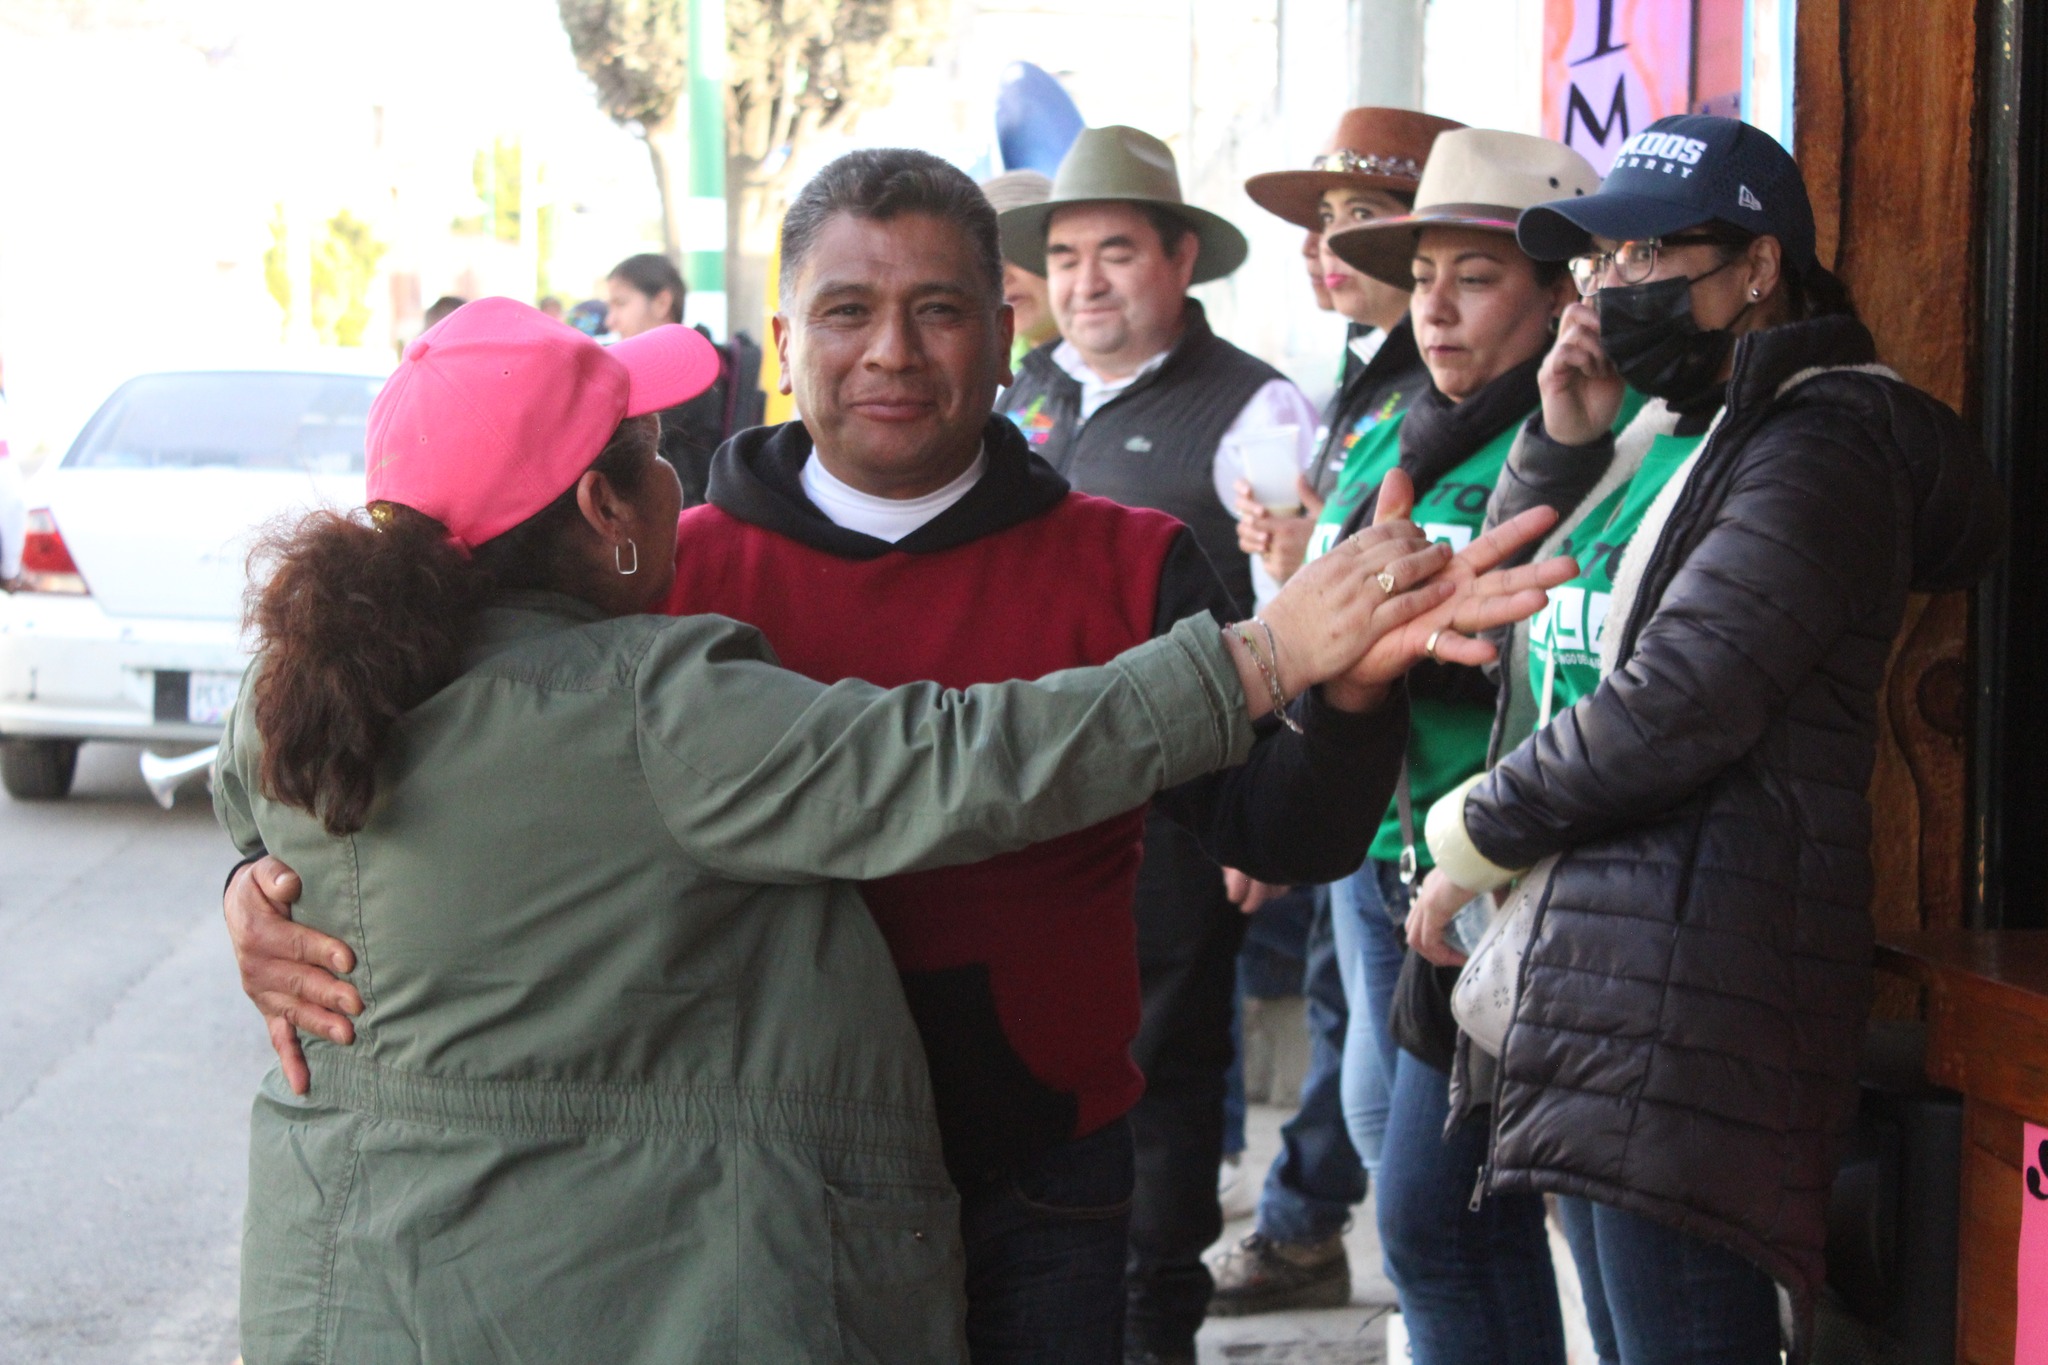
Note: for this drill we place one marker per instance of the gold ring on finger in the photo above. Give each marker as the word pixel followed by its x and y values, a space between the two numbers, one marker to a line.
pixel 1386 581
pixel 1430 648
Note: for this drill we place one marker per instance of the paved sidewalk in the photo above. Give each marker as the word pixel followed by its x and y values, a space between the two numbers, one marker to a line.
pixel 1356 1335
pixel 1325 1336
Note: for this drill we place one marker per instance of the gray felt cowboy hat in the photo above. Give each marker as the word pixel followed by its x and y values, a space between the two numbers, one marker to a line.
pixel 1475 178
pixel 1119 165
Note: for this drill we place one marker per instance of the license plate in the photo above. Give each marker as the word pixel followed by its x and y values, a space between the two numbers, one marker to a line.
pixel 210 697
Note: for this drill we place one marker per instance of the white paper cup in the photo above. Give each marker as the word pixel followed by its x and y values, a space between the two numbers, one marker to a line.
pixel 1272 466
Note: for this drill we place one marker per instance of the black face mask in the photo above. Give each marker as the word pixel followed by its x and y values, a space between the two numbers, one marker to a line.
pixel 1649 334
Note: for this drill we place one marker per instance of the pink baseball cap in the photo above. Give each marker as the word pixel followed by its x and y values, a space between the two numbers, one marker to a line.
pixel 498 409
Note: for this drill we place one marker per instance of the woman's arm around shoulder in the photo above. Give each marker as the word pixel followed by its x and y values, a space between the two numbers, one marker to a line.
pixel 765 775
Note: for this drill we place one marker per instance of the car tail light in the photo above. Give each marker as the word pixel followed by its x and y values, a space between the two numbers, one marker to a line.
pixel 46 563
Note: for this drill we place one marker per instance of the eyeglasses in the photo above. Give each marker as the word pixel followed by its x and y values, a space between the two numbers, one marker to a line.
pixel 1631 262
pixel 1344 161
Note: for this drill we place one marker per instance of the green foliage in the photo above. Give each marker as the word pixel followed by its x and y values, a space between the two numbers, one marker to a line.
pixel 343 266
pixel 277 275
pixel 344 263
pixel 495 174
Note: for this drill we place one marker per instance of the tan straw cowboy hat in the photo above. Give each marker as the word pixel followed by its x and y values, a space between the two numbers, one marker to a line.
pixel 1119 165
pixel 1374 149
pixel 1476 178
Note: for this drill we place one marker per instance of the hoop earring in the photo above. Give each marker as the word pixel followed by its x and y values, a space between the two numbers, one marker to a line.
pixel 619 564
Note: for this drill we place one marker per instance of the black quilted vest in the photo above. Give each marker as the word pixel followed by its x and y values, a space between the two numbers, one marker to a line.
pixel 1154 444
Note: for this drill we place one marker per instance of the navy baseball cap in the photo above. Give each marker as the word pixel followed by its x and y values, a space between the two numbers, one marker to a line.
pixel 1678 173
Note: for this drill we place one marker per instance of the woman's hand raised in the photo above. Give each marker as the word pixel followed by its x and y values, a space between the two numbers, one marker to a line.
pixel 1582 391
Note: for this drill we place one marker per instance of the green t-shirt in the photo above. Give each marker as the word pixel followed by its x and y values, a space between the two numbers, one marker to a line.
pixel 1446 740
pixel 1575 621
pixel 1364 455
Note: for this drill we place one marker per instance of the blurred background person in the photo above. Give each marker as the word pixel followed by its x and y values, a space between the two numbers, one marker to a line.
pixel 1679 1059
pixel 588 317
pixel 643 292
pixel 551 307
pixel 441 308
pixel 647 291
pixel 1476 1283
pixel 1024 290
pixel 1294 1257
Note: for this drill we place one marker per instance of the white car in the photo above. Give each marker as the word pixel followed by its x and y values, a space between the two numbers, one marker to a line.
pixel 128 624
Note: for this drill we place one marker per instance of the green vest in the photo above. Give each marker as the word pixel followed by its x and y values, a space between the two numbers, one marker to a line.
pixel 1571 627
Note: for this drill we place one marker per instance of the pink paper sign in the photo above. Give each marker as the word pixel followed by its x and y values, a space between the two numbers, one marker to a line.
pixel 2030 1340
pixel 1611 68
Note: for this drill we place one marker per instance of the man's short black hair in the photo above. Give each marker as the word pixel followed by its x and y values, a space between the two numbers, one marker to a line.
pixel 885 183
pixel 1171 228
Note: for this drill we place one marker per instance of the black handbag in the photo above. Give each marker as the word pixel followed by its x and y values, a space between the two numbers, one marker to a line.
pixel 1420 1017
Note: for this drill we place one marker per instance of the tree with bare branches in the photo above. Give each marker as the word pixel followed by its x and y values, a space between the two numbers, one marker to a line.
pixel 795 69
pixel 636 54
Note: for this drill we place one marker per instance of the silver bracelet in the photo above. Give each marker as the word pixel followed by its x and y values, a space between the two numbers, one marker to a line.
pixel 1269 672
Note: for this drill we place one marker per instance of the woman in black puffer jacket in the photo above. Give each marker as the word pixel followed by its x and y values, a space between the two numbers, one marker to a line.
pixel 1680 1057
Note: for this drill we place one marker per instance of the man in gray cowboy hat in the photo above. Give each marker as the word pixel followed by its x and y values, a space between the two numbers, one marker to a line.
pixel 1140 402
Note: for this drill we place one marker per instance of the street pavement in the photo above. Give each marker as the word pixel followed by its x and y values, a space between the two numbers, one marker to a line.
pixel 127 1061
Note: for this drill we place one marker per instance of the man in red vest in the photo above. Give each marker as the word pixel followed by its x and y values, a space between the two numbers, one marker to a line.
pixel 901 532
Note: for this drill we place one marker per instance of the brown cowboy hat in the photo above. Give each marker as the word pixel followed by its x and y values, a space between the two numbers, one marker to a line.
pixel 1119 165
pixel 1373 149
pixel 1476 178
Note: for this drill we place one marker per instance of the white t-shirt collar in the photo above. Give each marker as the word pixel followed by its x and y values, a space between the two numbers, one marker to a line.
pixel 889 519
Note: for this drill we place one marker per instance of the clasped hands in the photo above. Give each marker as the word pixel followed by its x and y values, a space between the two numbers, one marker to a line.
pixel 1382 600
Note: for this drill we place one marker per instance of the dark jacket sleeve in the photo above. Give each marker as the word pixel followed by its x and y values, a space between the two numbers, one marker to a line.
pixel 1806 544
pixel 1302 808
pixel 1541 472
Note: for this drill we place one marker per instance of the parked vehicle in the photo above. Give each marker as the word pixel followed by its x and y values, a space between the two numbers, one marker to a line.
pixel 128 624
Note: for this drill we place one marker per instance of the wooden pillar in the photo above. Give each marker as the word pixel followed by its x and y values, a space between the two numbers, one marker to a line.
pixel 1885 124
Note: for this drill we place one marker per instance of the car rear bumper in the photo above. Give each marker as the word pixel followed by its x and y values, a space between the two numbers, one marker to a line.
pixel 68 670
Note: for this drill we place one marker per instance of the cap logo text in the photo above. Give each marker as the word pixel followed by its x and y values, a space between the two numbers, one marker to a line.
pixel 1686 151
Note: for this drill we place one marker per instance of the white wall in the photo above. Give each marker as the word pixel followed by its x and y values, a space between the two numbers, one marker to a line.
pixel 1482 62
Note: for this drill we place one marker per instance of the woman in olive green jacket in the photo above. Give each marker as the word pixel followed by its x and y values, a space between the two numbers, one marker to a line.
pixel 634 1080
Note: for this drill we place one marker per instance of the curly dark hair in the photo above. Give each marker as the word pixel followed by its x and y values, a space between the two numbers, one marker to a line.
pixel 360 618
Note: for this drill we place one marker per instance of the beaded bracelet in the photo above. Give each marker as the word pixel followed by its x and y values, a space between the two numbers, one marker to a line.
pixel 1269 671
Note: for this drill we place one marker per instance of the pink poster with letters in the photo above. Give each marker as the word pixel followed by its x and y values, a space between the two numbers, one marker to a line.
pixel 1611 68
pixel 2030 1340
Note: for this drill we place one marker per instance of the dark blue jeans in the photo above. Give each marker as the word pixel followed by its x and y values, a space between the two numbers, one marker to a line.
pixel 1316 1179
pixel 1476 1288
pixel 1045 1256
pixel 1658 1296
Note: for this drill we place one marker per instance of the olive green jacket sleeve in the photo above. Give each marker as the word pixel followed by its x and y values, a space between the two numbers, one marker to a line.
pixel 766 776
